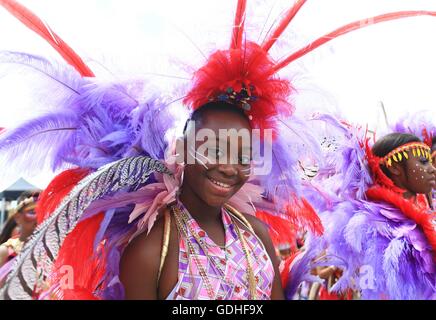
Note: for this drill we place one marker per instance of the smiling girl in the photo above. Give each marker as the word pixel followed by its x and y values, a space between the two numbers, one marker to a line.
pixel 214 252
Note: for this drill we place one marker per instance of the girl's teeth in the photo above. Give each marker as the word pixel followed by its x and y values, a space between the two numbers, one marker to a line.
pixel 220 184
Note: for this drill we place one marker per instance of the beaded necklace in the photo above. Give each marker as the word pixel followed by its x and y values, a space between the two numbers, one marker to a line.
pixel 182 218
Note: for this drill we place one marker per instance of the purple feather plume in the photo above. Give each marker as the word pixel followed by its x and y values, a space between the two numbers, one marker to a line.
pixel 416 124
pixel 93 123
pixel 384 255
pixel 293 145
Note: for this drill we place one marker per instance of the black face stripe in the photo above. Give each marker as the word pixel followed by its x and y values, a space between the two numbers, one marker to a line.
pixel 58 232
pixel 33 259
pixel 47 249
pixel 24 283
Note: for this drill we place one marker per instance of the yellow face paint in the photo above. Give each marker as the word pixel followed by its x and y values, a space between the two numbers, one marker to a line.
pixel 389 162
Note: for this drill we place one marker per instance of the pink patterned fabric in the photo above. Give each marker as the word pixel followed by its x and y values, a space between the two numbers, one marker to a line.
pixel 234 284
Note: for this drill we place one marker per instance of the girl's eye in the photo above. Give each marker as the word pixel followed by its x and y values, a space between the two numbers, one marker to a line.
pixel 245 160
pixel 424 160
pixel 217 153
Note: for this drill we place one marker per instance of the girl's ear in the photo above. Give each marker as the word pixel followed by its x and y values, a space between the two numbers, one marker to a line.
pixel 17 218
pixel 396 169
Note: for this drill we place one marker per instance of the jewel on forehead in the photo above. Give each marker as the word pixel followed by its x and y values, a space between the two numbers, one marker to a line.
pixel 241 99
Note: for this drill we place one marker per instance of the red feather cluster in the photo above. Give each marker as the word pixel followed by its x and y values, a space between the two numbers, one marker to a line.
pixel 428 136
pixel 285 273
pixel 281 231
pixel 55 192
pixel 250 68
pixel 78 253
pixel 303 216
pixel 377 173
pixel 77 250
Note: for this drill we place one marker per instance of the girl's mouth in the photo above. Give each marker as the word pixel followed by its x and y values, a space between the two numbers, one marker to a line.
pixel 220 188
pixel 220 184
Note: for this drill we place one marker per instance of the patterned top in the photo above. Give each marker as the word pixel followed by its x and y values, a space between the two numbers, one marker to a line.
pixel 231 261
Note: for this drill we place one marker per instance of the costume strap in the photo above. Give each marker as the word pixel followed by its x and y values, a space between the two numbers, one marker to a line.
pixel 240 217
pixel 165 242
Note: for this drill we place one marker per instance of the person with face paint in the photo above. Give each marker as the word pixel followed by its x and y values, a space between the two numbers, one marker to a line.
pixel 411 169
pixel 212 248
pixel 150 228
pixel 419 124
pixel 24 219
pixel 380 230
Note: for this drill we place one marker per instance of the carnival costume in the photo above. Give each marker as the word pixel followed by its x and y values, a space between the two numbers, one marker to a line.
pixel 111 133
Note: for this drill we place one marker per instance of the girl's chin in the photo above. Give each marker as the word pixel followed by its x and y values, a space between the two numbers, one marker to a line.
pixel 216 202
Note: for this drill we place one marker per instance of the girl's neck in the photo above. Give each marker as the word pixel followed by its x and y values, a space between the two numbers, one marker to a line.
pixel 197 208
pixel 24 235
pixel 409 195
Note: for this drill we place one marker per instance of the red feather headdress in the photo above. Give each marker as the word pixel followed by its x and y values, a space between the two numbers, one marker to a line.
pixel 428 137
pixel 246 76
pixel 378 176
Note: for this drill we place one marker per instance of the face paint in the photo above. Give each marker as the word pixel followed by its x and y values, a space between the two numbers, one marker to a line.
pixel 420 174
pixel 196 155
pixel 216 175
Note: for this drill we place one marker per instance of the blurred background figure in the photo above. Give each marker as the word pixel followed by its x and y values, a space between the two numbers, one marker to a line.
pixel 19 226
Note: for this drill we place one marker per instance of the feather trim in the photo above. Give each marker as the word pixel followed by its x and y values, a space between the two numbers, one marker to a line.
pixel 48 237
pixel 421 216
pixel 30 20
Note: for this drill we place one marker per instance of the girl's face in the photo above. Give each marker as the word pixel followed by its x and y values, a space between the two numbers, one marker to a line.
pixel 26 219
pixel 420 174
pixel 221 165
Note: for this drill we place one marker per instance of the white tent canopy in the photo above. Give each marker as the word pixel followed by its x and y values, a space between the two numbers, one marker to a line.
pixel 20 185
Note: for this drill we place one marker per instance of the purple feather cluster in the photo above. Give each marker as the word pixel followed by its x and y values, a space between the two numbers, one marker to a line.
pixel 382 254
pixel 415 124
pixel 346 174
pixel 294 144
pixel 93 122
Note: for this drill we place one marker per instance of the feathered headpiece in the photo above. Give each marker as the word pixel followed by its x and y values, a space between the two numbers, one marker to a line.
pixel 375 163
pixel 247 76
pixel 94 121
pixel 417 149
pixel 419 124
